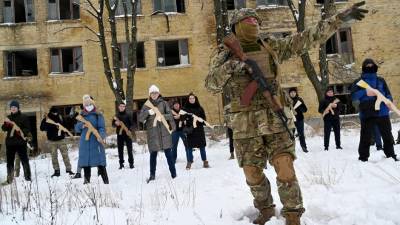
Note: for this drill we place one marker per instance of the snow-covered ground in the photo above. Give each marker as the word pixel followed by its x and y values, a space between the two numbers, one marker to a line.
pixel 337 190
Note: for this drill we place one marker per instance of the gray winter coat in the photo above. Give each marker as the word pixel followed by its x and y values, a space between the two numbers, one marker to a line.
pixel 158 137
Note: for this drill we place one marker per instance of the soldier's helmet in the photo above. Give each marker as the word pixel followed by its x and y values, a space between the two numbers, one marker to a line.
pixel 236 16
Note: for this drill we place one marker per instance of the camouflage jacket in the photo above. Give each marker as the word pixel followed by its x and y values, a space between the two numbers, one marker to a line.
pixel 227 73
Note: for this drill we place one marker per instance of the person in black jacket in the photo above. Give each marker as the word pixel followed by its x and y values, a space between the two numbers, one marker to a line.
pixel 16 141
pixel 56 140
pixel 330 109
pixel 299 108
pixel 125 118
pixel 178 133
pixel 196 137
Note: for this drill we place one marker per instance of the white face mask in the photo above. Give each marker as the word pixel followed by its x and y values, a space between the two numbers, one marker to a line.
pixel 89 108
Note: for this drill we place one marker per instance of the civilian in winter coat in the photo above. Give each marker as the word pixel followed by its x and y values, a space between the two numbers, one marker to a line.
pixel 331 120
pixel 92 152
pixel 196 137
pixel 178 133
pixel 125 118
pixel 16 141
pixel 56 141
pixel 368 115
pixel 158 136
pixel 298 111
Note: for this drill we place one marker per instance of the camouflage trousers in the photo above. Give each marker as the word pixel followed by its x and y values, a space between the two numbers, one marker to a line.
pixel 279 150
pixel 53 147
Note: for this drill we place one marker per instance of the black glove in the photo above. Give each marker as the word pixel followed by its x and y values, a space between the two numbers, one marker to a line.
pixel 353 13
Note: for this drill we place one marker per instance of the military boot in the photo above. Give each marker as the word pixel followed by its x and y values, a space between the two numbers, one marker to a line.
pixel 56 173
pixel 188 165
pixel 292 218
pixel 205 164
pixel 264 216
pixel 232 156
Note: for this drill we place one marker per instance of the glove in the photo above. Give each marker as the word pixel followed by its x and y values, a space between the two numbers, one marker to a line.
pixel 353 13
pixel 151 112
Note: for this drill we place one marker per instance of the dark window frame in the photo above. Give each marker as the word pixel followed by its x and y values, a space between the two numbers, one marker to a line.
pixel 60 54
pixel 122 56
pixel 160 49
pixel 9 57
pixel 57 13
pixel 336 45
pixel 160 5
pixel 26 14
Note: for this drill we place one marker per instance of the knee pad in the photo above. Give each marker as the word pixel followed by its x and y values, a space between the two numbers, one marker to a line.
pixel 254 175
pixel 283 164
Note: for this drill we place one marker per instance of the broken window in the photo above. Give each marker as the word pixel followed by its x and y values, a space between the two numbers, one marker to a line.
pixel 235 4
pixel 123 56
pixel 18 11
pixel 120 8
pixel 170 53
pixel 21 63
pixel 322 1
pixel 271 2
pixel 66 60
pixel 63 9
pixel 169 5
pixel 341 43
pixel 342 92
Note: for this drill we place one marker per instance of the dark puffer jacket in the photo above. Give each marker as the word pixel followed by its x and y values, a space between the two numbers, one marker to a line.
pixel 23 123
pixel 158 137
pixel 196 138
pixel 126 118
pixel 325 103
pixel 52 130
pixel 299 110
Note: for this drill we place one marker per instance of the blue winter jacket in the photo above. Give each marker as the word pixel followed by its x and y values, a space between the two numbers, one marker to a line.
pixel 367 103
pixel 91 152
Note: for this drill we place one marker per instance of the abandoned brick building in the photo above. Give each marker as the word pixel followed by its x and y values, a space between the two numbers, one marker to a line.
pixel 47 58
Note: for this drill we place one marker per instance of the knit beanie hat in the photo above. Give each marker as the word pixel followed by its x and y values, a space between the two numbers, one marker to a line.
pixel 153 88
pixel 14 103
pixel 87 100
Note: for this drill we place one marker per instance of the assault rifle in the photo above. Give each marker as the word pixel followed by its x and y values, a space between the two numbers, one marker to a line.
pixel 123 127
pixel 329 109
pixel 91 130
pixel 60 127
pixel 259 81
pixel 159 116
pixel 379 97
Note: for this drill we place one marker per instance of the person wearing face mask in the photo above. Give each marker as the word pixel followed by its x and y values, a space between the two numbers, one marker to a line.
pixel 331 117
pixel 258 133
pixel 299 108
pixel 159 123
pixel 196 138
pixel 18 134
pixel 56 141
pixel 91 151
pixel 370 117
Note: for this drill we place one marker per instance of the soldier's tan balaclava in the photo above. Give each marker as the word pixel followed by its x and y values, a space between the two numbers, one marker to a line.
pixel 246 33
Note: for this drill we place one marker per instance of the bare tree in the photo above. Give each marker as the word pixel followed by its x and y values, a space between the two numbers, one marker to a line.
pixel 221 18
pixel 112 68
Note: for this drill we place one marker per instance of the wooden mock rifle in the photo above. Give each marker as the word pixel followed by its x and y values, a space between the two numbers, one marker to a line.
pixel 123 127
pixel 259 81
pixel 195 119
pixel 379 97
pixel 159 116
pixel 60 127
pixel 329 109
pixel 91 130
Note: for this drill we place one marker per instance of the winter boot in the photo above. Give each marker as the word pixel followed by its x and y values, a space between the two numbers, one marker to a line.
pixel 103 173
pixel 205 164
pixel 188 165
pixel 131 165
pixel 326 148
pixel 56 173
pixel 398 137
pixel 292 218
pixel 27 172
pixel 121 165
pixel 339 147
pixel 152 177
pixel 265 215
pixel 70 172
pixel 87 173
pixel 232 156
pixel 304 149
pixel 395 158
pixel 77 176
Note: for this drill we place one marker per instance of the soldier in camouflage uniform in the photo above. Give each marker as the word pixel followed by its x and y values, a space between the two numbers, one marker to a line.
pixel 257 131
